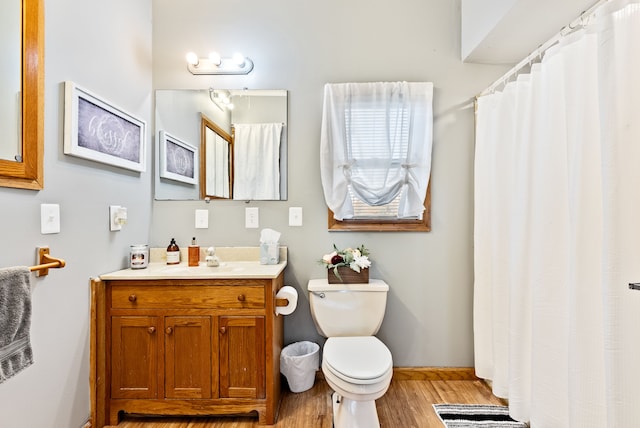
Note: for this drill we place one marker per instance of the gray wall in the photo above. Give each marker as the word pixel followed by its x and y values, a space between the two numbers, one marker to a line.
pixel 104 47
pixel 300 46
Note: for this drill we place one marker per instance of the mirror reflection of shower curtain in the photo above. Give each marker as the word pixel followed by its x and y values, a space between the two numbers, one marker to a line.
pixel 256 159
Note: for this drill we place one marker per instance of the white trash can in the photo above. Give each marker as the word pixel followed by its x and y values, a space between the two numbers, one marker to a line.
pixel 299 362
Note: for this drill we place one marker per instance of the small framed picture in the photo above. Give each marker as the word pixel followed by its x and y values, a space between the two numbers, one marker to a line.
pixel 97 130
pixel 178 160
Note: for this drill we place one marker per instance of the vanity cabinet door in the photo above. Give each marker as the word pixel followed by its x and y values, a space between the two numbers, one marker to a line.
pixel 134 356
pixel 188 356
pixel 242 357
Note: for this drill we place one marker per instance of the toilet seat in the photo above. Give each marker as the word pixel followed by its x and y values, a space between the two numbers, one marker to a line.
pixel 357 360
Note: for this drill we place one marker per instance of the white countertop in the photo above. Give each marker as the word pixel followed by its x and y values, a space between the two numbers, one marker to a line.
pixel 226 270
pixel 236 263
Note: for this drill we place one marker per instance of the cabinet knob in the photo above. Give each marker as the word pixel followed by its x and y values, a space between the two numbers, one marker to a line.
pixel 241 298
pixel 169 330
pixel 133 298
pixel 223 330
pixel 151 330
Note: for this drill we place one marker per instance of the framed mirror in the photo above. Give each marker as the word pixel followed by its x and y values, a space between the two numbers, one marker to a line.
pixel 22 94
pixel 242 140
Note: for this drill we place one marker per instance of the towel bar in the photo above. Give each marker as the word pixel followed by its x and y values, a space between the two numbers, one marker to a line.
pixel 46 262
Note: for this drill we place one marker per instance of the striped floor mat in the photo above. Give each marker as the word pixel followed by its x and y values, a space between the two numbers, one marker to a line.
pixel 476 415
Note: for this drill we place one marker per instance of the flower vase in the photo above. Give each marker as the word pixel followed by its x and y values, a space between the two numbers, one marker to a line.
pixel 348 276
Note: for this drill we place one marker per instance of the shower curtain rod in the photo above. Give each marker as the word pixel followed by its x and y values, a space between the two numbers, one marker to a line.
pixel 579 22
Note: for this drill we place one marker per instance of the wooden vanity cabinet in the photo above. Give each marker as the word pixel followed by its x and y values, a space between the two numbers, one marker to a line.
pixel 137 353
pixel 185 347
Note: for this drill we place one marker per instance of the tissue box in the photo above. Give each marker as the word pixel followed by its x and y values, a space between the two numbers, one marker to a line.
pixel 269 253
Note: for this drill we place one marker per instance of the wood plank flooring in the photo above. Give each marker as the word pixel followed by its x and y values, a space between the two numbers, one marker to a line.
pixel 407 404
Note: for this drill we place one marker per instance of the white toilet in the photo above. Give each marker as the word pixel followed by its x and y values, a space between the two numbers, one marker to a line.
pixel 356 364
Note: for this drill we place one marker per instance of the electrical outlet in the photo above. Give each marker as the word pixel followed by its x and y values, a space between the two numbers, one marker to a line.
pixel 117 217
pixel 295 216
pixel 251 218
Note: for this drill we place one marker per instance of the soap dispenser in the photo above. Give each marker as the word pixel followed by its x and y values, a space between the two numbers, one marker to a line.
pixel 194 253
pixel 173 253
pixel 211 258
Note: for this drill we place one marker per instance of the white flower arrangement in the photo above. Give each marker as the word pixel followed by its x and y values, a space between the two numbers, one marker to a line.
pixel 353 258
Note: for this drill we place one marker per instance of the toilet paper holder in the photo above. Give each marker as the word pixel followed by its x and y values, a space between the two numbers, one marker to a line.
pixel 286 300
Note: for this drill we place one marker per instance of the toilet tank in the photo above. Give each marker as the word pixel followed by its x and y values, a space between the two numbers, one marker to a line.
pixel 347 309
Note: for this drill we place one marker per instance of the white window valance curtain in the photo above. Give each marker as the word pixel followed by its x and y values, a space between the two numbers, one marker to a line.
pixel 256 160
pixel 376 141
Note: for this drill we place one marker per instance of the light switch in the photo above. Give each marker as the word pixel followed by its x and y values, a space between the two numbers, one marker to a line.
pixel 295 216
pixel 49 218
pixel 251 218
pixel 202 219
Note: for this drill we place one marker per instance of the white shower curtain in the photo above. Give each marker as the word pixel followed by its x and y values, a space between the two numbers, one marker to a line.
pixel 557 235
pixel 256 161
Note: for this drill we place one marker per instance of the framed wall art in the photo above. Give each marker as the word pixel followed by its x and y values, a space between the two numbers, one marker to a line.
pixel 97 130
pixel 178 160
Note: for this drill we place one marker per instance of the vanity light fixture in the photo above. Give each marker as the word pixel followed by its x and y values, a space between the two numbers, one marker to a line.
pixel 221 98
pixel 215 64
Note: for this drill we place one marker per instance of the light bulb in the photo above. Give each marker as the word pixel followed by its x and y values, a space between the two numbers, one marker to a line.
pixel 238 58
pixel 230 106
pixel 192 58
pixel 215 59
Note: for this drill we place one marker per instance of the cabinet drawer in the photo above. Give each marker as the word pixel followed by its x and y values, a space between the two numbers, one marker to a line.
pixel 186 296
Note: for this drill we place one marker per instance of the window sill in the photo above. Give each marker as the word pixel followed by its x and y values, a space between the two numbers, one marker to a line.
pixel 395 225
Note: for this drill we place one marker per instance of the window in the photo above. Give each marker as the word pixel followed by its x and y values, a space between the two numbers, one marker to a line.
pixel 376 155
pixel 385 224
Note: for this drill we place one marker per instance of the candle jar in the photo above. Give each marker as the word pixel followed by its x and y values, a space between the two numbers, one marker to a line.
pixel 139 256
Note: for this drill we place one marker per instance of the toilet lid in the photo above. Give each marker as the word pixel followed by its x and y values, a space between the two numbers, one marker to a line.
pixel 359 358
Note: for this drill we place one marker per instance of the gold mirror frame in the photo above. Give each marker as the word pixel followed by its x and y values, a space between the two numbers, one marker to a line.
pixel 207 124
pixel 29 174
